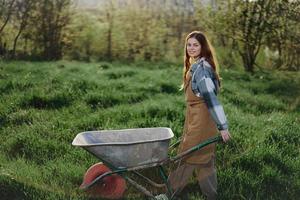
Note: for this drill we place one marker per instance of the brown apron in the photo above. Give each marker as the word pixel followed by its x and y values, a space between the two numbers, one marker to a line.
pixel 198 127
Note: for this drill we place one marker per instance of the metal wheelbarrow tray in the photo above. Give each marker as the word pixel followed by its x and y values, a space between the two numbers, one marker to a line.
pixel 127 147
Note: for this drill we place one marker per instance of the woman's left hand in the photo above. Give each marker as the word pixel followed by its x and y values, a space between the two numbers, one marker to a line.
pixel 225 135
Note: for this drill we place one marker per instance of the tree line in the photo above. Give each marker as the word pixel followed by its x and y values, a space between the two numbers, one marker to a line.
pixel 258 33
pixel 33 29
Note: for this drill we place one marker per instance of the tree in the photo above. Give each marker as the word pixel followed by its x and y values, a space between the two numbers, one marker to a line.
pixel 135 30
pixel 254 21
pixel 23 10
pixel 246 23
pixel 6 10
pixel 51 18
pixel 284 39
pixel 110 14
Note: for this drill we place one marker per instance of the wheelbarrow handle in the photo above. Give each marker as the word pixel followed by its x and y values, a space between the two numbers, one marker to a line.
pixel 196 148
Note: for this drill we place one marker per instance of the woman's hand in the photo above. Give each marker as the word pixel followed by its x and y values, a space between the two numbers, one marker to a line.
pixel 225 135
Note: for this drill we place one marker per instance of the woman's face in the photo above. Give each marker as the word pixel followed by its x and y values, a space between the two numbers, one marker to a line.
pixel 193 48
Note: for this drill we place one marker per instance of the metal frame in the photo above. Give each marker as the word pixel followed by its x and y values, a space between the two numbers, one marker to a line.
pixel 163 175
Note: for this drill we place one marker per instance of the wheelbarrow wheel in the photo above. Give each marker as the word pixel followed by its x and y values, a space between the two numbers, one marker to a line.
pixel 110 187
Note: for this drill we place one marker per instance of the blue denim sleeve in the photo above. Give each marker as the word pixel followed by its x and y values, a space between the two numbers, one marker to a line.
pixel 208 91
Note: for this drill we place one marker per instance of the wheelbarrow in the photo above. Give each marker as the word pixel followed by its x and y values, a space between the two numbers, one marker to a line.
pixel 128 151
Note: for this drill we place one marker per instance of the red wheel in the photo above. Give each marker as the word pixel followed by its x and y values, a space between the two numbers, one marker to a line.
pixel 110 187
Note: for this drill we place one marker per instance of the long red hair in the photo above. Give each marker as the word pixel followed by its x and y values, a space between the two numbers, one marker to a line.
pixel 207 51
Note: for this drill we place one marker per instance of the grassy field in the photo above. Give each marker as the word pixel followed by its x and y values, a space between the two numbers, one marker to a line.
pixel 43 106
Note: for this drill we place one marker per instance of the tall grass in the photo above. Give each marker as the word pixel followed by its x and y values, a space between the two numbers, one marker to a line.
pixel 43 106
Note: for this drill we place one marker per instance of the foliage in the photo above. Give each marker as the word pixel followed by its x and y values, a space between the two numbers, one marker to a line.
pixel 39 24
pixel 248 27
pixel 258 33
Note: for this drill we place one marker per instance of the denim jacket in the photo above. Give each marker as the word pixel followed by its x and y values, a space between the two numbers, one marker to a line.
pixel 206 85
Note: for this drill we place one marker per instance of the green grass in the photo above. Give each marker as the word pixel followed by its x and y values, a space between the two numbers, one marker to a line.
pixel 43 106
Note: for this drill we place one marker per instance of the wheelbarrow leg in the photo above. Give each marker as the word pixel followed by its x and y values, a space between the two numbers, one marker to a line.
pixel 140 188
pixel 165 179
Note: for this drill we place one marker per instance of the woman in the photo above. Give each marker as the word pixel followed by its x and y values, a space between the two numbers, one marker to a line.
pixel 204 116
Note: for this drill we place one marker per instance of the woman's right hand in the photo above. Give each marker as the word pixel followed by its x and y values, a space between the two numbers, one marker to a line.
pixel 225 135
